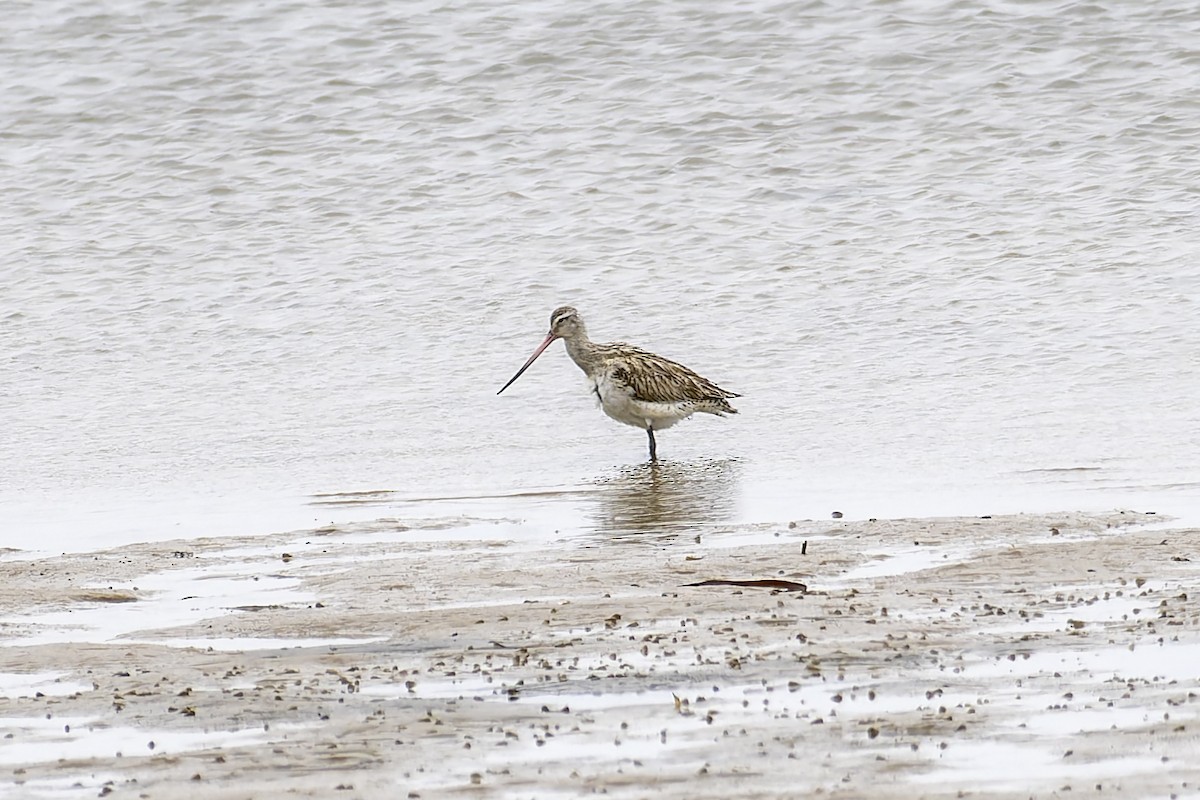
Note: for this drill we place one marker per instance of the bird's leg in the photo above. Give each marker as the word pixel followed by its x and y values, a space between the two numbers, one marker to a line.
pixel 653 449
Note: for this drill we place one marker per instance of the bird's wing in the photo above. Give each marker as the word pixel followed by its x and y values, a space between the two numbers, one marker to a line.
pixel 655 379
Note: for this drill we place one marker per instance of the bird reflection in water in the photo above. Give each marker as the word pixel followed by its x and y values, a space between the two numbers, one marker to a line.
pixel 666 498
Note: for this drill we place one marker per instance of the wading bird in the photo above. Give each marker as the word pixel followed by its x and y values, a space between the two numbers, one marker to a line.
pixel 632 385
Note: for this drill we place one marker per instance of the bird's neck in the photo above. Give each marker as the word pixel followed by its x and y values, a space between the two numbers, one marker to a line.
pixel 582 351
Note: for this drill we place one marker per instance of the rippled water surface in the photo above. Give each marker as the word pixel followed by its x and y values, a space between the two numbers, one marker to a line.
pixel 948 252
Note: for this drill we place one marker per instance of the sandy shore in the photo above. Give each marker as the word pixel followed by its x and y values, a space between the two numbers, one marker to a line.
pixel 1044 656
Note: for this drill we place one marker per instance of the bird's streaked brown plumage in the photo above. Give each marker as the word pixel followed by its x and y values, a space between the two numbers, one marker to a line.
pixel 660 380
pixel 634 386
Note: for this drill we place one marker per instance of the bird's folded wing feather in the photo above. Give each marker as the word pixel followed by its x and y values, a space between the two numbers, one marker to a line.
pixel 655 379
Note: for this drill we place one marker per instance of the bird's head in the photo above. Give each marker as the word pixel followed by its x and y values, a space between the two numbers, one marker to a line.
pixel 565 323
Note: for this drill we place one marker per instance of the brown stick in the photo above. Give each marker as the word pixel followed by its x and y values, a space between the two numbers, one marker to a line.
pixel 786 586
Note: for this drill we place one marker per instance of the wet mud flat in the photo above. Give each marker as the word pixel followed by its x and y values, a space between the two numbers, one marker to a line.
pixel 1024 656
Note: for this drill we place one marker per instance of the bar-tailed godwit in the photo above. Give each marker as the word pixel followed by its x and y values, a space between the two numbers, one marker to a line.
pixel 632 385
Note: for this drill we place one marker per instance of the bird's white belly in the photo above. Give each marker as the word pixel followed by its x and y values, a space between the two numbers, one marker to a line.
pixel 617 401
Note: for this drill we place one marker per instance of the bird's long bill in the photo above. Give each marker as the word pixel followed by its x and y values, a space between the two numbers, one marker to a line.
pixel 549 338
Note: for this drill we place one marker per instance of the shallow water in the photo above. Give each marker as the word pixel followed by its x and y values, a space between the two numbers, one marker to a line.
pixel 254 253
pixel 77 739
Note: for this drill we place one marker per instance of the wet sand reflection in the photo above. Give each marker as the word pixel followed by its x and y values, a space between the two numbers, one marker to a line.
pixel 666 497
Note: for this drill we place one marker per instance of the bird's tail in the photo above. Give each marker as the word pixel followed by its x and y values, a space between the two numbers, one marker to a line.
pixel 718 405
